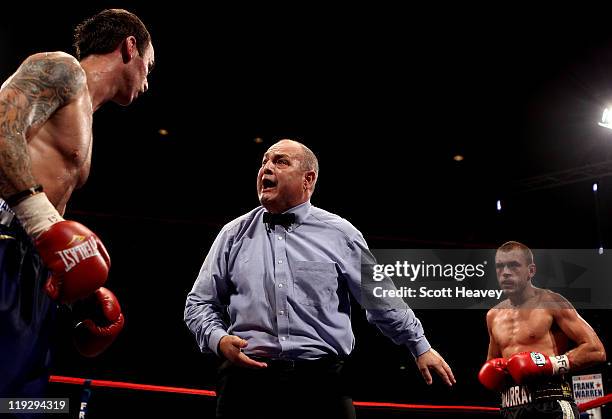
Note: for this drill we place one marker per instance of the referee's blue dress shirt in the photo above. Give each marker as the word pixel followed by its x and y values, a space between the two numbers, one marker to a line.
pixel 286 291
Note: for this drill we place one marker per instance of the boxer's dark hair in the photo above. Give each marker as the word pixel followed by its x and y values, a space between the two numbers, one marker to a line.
pixel 103 32
pixel 512 245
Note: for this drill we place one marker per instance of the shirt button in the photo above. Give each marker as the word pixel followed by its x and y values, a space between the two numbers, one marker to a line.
pixel 284 338
pixel 280 262
pixel 280 237
pixel 281 312
pixel 280 285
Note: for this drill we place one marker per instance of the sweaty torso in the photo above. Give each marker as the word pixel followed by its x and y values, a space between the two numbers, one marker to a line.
pixel 60 149
pixel 519 329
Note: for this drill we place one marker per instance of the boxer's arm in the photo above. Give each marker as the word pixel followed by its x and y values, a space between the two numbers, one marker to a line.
pixel 493 374
pixel 525 366
pixel 494 351
pixel 42 84
pixel 589 350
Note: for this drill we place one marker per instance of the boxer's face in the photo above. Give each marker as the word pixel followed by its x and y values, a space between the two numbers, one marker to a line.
pixel 280 181
pixel 513 271
pixel 135 79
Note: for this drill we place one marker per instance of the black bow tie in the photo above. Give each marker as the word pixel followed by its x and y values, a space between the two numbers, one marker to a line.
pixel 284 220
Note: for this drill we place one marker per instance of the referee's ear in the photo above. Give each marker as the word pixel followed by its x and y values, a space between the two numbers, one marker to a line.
pixel 310 178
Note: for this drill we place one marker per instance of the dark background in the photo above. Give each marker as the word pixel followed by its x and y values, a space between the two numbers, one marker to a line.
pixel 385 98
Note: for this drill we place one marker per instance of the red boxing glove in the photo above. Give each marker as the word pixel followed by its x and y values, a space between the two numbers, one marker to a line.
pixel 77 259
pixel 103 323
pixel 494 374
pixel 526 366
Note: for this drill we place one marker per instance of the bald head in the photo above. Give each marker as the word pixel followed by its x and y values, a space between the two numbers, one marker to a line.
pixel 308 159
pixel 287 175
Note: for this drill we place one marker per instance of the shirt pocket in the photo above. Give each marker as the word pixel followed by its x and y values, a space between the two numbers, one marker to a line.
pixel 315 283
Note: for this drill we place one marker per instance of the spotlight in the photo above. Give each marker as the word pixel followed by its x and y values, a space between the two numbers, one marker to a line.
pixel 606 119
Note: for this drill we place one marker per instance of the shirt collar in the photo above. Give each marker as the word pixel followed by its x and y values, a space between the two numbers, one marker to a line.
pixel 301 212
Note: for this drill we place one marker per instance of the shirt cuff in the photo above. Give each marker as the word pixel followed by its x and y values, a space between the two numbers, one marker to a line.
pixel 215 337
pixel 420 347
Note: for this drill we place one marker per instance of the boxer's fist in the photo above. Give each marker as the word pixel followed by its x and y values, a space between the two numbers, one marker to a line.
pixel 77 259
pixel 527 366
pixel 102 322
pixel 494 374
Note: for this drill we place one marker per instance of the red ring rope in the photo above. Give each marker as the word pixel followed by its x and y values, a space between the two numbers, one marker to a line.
pixel 147 387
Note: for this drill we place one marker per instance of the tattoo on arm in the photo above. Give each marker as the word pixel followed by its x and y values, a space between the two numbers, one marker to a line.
pixel 41 85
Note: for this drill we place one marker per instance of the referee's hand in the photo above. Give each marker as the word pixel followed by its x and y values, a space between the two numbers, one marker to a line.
pixel 231 348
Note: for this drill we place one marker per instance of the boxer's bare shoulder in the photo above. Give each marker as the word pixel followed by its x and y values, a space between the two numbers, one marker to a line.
pixel 42 83
pixel 554 300
pixel 46 103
